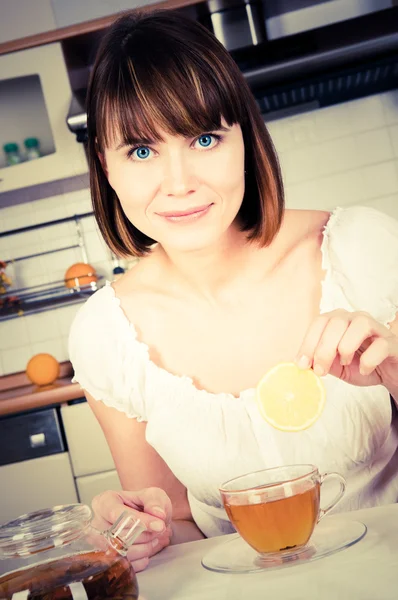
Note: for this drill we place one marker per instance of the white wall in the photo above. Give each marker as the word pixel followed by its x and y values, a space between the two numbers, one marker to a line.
pixel 345 154
pixel 19 18
pixel 69 12
pixel 338 156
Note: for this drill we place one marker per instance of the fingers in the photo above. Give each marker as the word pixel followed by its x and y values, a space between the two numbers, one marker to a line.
pixel 140 565
pixel 139 553
pixel 107 508
pixel 151 505
pixel 149 548
pixel 152 500
pixel 341 333
pixel 321 342
pixel 374 356
pixel 328 345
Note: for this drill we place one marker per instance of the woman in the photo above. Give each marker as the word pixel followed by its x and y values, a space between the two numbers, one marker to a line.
pixel 184 175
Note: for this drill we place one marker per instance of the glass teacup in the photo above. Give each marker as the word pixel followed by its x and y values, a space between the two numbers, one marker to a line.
pixel 276 510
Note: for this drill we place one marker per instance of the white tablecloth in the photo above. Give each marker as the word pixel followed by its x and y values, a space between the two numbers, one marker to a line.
pixel 366 571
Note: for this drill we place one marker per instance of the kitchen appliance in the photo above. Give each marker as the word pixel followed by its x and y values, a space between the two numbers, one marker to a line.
pixel 298 55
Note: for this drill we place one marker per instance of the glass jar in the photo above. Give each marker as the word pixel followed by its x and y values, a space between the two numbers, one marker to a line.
pixel 13 157
pixel 57 554
pixel 32 148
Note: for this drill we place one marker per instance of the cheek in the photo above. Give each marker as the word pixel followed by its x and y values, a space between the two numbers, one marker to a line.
pixel 133 189
pixel 227 171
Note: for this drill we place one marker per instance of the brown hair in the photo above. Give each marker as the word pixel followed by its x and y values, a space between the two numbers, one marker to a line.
pixel 163 71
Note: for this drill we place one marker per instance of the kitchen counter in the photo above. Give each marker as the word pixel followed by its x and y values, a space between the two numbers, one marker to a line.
pixel 18 394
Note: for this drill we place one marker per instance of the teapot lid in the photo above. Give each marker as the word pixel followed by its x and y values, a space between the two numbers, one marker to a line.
pixel 44 529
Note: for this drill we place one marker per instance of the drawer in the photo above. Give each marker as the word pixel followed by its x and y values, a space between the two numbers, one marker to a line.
pixel 88 448
pixel 30 435
pixel 35 484
pixel 89 486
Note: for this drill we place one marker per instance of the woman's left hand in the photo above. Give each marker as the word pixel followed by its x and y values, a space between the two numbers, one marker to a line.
pixel 351 346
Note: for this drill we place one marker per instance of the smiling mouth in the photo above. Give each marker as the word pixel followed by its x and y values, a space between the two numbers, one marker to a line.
pixel 189 213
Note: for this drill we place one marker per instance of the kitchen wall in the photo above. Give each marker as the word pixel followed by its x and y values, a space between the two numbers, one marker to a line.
pixel 20 18
pixel 76 11
pixel 341 155
pixel 22 337
pixel 338 156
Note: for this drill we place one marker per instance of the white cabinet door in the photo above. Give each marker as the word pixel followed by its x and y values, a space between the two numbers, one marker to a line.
pixel 88 448
pixel 35 484
pixel 35 95
pixel 89 486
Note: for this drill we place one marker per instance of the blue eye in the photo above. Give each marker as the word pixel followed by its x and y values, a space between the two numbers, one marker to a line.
pixel 208 141
pixel 142 152
pixel 205 140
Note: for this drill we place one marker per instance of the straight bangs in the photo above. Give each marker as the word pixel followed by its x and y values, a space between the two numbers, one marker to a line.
pixel 154 93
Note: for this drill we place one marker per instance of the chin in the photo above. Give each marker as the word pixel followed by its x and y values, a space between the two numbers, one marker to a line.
pixel 193 241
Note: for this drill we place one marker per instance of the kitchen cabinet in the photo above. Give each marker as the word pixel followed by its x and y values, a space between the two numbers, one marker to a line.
pixel 35 95
pixel 91 459
pixel 35 484
pixel 35 471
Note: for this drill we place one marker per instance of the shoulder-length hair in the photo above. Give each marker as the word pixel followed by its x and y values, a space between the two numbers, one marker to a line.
pixel 162 71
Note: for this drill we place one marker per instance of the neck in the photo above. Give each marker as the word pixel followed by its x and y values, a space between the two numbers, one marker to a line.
pixel 211 272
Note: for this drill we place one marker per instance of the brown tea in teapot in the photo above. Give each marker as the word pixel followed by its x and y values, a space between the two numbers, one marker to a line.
pixel 85 576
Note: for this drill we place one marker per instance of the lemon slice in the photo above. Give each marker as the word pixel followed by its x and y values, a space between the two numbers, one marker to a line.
pixel 289 398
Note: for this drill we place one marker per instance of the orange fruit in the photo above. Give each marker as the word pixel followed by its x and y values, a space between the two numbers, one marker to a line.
pixel 80 274
pixel 42 369
pixel 289 398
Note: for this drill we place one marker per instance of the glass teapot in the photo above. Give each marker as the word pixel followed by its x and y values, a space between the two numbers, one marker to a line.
pixel 57 554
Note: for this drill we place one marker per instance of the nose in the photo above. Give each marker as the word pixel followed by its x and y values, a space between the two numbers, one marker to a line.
pixel 178 177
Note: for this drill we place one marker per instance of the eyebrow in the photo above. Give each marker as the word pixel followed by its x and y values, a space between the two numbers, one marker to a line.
pixel 148 142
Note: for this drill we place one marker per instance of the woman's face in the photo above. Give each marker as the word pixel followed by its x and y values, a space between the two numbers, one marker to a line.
pixel 183 193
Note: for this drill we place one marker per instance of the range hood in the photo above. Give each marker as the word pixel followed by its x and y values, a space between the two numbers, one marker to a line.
pixel 294 65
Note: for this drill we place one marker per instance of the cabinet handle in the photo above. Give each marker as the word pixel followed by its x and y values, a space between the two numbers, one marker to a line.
pixel 37 440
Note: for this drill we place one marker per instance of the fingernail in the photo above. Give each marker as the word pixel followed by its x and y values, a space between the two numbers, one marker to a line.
pixel 318 370
pixel 155 542
pixel 159 512
pixel 156 526
pixel 303 362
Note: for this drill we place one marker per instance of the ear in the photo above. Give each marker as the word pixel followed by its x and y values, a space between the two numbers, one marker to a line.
pixel 102 160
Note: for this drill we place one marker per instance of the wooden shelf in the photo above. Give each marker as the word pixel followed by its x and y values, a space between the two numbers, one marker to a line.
pixel 64 33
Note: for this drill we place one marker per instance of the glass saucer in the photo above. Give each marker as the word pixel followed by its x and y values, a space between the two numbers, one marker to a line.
pixel 330 535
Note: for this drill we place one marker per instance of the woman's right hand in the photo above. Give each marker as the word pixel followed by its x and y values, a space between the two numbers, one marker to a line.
pixel 151 505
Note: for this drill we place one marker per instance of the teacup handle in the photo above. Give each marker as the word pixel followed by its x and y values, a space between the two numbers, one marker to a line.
pixel 339 495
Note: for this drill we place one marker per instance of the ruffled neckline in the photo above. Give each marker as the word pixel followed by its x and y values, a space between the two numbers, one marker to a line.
pixel 247 394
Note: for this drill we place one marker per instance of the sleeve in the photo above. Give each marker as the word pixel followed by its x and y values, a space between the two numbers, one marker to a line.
pixel 363 257
pixel 104 358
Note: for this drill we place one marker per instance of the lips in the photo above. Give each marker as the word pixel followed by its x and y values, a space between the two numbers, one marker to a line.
pixel 184 213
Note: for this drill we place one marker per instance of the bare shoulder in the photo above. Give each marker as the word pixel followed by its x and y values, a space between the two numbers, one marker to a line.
pixel 301 225
pixel 306 221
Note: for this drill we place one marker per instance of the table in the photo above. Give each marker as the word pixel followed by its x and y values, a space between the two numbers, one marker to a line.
pixel 366 571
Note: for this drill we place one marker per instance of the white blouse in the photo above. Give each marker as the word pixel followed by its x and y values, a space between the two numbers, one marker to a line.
pixel 208 438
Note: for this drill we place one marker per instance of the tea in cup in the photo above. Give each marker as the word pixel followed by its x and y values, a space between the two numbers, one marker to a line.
pixel 276 510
